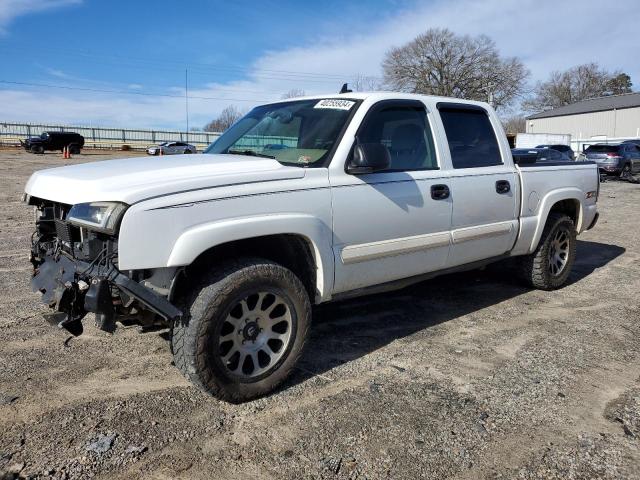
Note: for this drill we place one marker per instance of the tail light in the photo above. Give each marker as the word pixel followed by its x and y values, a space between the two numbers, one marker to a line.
pixel 613 155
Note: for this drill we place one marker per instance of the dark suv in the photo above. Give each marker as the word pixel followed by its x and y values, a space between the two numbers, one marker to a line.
pixel 566 149
pixel 621 159
pixel 54 141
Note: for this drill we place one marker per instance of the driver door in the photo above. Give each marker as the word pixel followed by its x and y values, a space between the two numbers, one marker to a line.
pixel 395 223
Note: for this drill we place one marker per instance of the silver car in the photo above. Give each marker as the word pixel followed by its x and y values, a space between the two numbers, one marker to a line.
pixel 171 148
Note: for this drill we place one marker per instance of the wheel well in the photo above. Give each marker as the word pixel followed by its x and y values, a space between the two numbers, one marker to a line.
pixel 291 251
pixel 570 207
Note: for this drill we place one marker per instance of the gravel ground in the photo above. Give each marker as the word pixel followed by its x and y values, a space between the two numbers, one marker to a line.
pixel 467 376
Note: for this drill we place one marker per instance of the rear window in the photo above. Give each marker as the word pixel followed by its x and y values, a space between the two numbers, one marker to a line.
pixel 472 141
pixel 602 148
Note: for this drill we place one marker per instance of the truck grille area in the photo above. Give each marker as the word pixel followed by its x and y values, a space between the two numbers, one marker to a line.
pixel 54 233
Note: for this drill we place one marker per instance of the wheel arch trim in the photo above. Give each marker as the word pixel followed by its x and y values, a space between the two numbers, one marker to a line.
pixel 546 205
pixel 195 241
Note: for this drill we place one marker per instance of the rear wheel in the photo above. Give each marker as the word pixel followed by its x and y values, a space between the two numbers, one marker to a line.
pixel 550 265
pixel 625 174
pixel 74 149
pixel 243 329
pixel 39 149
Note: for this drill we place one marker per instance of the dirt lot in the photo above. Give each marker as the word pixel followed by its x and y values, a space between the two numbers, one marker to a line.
pixel 467 376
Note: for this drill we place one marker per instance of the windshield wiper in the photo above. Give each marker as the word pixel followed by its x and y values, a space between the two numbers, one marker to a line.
pixel 250 153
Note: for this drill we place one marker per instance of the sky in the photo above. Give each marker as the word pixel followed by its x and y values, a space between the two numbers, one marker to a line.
pixel 126 63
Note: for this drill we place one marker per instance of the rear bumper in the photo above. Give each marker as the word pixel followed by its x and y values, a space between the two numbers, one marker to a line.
pixel 72 288
pixel 609 169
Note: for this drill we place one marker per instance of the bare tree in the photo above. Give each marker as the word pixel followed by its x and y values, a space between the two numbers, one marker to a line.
pixel 365 83
pixel 228 116
pixel 293 93
pixel 515 123
pixel 439 62
pixel 575 84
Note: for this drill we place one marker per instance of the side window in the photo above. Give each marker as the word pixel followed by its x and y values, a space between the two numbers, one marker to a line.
pixel 554 155
pixel 405 131
pixel 472 141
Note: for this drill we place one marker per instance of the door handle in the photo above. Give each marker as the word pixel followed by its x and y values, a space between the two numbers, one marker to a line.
pixel 503 186
pixel 440 192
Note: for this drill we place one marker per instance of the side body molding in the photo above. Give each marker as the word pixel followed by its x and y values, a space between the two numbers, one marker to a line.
pixel 200 238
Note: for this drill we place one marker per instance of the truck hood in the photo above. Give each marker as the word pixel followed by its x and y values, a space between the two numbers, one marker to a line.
pixel 131 180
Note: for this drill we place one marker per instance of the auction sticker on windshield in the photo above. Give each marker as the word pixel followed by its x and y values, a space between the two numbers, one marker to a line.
pixel 335 104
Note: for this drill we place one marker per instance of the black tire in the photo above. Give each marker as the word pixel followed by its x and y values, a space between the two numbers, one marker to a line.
pixel 196 339
pixel 74 149
pixel 187 151
pixel 625 174
pixel 537 269
pixel 39 149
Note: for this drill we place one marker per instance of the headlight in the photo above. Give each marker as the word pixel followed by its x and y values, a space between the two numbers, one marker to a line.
pixel 99 216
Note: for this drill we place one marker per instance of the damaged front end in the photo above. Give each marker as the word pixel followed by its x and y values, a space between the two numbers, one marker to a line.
pixel 74 253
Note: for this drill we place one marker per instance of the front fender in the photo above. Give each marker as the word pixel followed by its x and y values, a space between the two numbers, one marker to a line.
pixel 196 240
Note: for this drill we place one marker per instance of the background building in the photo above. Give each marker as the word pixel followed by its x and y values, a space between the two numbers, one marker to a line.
pixel 616 116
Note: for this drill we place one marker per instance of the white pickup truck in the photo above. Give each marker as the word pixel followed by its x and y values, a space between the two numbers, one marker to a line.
pixel 300 202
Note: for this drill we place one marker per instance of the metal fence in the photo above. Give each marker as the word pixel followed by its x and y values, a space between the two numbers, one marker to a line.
pixel 101 137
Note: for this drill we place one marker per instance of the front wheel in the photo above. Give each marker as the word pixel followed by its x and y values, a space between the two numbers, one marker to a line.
pixel 243 329
pixel 625 174
pixel 549 267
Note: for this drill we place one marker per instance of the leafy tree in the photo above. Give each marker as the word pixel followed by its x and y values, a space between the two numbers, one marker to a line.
pixel 619 84
pixel 439 62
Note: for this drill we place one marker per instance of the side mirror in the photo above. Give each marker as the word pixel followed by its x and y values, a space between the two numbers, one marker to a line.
pixel 369 158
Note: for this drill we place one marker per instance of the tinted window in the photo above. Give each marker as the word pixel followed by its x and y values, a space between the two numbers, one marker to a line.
pixel 405 131
pixel 602 148
pixel 472 141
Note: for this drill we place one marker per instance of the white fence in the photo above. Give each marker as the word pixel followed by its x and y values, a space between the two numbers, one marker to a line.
pixel 100 137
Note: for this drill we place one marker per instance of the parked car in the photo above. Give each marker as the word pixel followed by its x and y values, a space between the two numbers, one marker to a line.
pixel 231 249
pixel 540 154
pixel 633 141
pixel 49 141
pixel 565 149
pixel 172 148
pixel 622 159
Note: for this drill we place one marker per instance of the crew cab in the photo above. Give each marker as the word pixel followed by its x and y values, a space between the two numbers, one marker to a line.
pixel 300 202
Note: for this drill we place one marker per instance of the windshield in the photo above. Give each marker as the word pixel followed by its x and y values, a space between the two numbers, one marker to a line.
pixel 300 133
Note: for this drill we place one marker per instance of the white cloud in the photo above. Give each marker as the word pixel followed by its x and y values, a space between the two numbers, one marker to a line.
pixel 546 35
pixel 54 72
pixel 11 9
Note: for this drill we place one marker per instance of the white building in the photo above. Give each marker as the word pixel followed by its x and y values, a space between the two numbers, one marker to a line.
pixel 611 117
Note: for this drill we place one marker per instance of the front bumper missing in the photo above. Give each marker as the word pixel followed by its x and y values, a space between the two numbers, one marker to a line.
pixel 73 288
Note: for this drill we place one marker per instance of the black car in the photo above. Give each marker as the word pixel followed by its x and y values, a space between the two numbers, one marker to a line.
pixel 633 142
pixel 566 149
pixel 534 155
pixel 621 159
pixel 54 141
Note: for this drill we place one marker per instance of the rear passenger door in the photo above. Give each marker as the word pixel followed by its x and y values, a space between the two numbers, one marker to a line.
pixel 484 189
